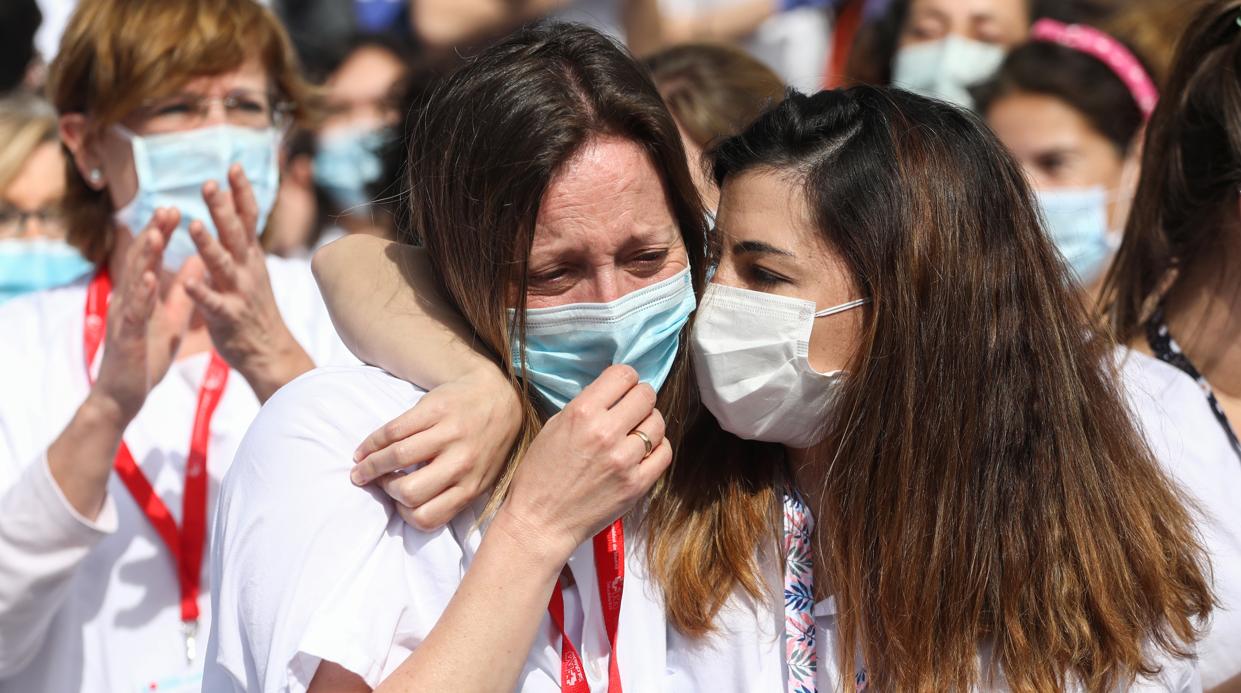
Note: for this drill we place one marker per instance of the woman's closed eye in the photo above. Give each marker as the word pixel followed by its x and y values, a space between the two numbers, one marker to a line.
pixel 548 280
pixel 649 261
pixel 763 277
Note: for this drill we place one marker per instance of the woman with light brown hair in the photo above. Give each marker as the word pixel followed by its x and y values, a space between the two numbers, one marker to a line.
pixel 1174 292
pixel 126 393
pixel 890 347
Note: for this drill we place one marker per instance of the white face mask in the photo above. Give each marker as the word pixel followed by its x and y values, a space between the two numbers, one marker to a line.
pixel 750 355
pixel 947 68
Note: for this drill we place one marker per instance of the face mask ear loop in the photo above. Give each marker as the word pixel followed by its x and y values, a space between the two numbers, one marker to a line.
pixel 842 308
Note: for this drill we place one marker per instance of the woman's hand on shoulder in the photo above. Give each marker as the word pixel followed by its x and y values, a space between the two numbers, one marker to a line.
pixel 463 430
pixel 587 467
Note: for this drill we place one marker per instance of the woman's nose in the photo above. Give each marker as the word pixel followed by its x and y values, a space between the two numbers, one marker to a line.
pixel 606 286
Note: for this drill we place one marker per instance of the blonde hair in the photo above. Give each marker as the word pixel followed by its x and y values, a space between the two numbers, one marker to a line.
pixel 26 122
pixel 713 90
pixel 117 54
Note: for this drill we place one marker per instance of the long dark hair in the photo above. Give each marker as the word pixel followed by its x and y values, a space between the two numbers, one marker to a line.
pixel 981 477
pixel 1191 171
pixel 483 149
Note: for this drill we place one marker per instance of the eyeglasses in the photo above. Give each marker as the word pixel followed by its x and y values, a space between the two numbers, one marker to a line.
pixel 242 107
pixel 14 223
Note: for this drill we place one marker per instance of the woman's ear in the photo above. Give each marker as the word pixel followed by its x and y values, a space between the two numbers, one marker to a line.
pixel 76 136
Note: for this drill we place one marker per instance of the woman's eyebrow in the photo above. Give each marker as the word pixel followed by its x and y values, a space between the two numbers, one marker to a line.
pixel 760 248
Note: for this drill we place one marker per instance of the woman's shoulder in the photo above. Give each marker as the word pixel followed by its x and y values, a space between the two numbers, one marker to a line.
pixel 331 408
pixel 1170 407
pixel 305 565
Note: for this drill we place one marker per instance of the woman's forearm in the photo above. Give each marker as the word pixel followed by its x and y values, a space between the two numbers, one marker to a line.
pixel 724 24
pixel 643 24
pixel 510 582
pixel 81 457
pixel 383 300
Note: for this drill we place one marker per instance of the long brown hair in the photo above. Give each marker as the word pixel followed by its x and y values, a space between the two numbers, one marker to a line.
pixel 1191 171
pixel 982 480
pixel 484 147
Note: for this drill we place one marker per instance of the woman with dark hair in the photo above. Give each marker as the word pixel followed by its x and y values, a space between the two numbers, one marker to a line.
pixel 1071 105
pixel 986 500
pixel 551 192
pixel 1174 290
pixel 891 343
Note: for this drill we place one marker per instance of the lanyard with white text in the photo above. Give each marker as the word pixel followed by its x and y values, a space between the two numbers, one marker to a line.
pixel 187 544
pixel 610 571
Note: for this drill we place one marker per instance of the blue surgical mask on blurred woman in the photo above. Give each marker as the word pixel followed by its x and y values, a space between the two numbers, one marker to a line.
pixel 29 265
pixel 1077 223
pixel 567 347
pixel 173 167
pixel 348 162
pixel 947 68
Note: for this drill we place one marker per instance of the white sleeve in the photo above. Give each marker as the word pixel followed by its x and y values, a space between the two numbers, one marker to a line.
pixel 43 540
pixel 304 565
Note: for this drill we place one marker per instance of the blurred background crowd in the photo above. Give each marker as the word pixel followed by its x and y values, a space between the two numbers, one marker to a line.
pixel 1067 116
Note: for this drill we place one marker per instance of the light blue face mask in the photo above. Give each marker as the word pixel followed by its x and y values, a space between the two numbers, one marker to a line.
pixel 567 347
pixel 28 266
pixel 346 163
pixel 947 68
pixel 172 169
pixel 1077 223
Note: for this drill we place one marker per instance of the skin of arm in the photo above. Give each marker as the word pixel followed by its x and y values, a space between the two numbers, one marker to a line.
pixel 443 24
pixel 643 24
pixel 511 581
pixel 724 24
pixel 143 333
pixel 381 298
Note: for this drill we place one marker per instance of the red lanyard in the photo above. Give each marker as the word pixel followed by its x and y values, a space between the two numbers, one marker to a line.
pixel 610 571
pixel 187 544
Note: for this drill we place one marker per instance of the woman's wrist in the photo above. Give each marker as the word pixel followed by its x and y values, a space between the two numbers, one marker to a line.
pixel 275 366
pixel 540 546
pixel 103 412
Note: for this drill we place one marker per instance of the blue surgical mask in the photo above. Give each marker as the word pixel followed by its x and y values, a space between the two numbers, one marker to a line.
pixel 947 68
pixel 567 347
pixel 35 265
pixel 1077 223
pixel 346 163
pixel 173 167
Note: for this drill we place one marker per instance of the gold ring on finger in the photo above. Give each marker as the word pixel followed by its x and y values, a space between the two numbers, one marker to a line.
pixel 646 442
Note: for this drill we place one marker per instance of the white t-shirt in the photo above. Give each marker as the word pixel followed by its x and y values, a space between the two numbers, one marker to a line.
pixel 94 606
pixel 307 567
pixel 1195 452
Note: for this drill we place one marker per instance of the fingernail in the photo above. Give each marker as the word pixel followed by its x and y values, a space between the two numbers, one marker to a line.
pixel 356 477
pixel 357 455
